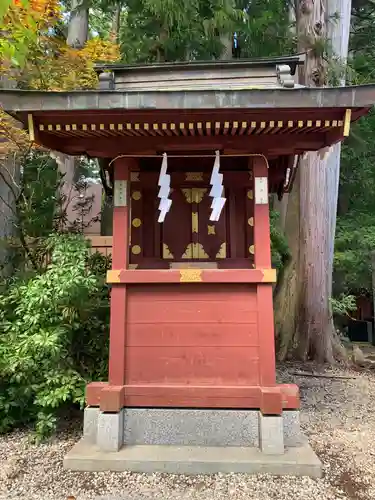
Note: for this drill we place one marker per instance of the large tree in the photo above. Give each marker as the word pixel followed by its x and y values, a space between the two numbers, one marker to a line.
pixel 303 305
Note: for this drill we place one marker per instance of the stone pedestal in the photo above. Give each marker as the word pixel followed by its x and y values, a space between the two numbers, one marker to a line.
pixel 193 441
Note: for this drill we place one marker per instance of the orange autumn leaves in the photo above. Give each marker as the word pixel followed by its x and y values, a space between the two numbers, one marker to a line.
pixel 35 52
pixel 40 59
pixel 35 56
pixel 21 23
pixel 45 11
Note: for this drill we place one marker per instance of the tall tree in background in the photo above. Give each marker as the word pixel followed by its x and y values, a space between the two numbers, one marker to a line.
pixel 303 304
pixel 78 27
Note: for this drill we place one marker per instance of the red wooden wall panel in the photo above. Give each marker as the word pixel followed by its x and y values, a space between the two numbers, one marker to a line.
pixel 199 335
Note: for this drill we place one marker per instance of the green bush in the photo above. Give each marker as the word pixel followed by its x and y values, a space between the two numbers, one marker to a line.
pixel 54 336
pixel 279 246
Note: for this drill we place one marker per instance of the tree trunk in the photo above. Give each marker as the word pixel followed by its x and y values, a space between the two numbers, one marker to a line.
pixel 227 42
pixel 115 30
pixel 78 24
pixel 303 312
pixel 77 37
pixel 338 34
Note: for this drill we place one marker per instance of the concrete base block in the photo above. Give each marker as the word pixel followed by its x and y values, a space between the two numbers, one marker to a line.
pixel 271 434
pixel 297 461
pixel 110 431
pixel 90 423
pixel 189 427
pixel 293 436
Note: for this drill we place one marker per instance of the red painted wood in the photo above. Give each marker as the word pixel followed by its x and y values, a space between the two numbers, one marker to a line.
pixel 136 233
pixel 192 365
pixel 161 115
pixel 106 147
pixel 117 335
pixel 266 334
pixel 262 243
pixel 190 334
pixel 111 398
pixel 93 392
pixel 118 294
pixel 249 213
pixel 150 226
pixel 262 240
pixel 211 292
pixel 211 242
pixel 120 219
pixel 177 228
pixel 132 276
pixel 192 304
pixel 210 318
pixel 180 396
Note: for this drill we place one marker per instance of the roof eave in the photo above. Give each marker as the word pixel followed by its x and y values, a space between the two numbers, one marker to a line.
pixel 21 101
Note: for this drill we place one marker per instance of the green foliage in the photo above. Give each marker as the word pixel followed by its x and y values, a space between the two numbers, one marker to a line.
pixel 266 32
pixel 54 336
pixel 343 305
pixel 174 30
pixel 279 247
pixel 38 204
pixel 355 234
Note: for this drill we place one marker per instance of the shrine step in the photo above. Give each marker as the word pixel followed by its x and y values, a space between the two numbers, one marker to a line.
pixel 296 461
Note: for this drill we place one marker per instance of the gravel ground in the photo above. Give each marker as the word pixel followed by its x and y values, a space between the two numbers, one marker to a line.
pixel 338 415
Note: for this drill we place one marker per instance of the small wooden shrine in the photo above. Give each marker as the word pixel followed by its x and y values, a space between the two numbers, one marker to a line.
pixel 193 151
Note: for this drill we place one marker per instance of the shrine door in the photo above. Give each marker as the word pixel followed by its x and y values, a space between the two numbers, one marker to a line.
pixel 187 232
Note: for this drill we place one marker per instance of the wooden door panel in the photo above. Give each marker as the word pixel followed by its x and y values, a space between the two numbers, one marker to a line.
pixel 177 227
pixel 212 235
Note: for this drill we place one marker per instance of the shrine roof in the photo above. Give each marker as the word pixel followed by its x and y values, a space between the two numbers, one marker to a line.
pixel 34 101
pixel 291 60
pixel 106 123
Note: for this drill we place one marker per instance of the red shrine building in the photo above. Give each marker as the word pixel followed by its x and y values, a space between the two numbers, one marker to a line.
pixel 193 151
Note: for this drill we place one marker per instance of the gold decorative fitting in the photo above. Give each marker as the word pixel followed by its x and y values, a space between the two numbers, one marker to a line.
pixel 211 229
pixel 134 176
pixel 250 221
pixel 250 194
pixel 188 195
pixel 136 195
pixel 133 266
pixel 198 194
pixel 30 123
pixel 222 253
pixel 251 249
pixel 113 276
pixel 136 222
pixel 194 222
pixel 190 275
pixel 194 195
pixel 269 276
pixel 136 249
pixel 194 176
pixel 188 254
pixel 166 252
pixel 348 118
pixel 195 251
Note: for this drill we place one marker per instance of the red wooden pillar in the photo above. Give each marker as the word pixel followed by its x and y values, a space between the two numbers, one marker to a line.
pixel 262 259
pixel 120 258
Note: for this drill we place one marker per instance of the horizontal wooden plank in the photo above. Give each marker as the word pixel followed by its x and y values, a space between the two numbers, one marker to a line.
pixel 175 292
pixel 196 77
pixel 192 365
pixel 190 311
pixel 206 396
pixel 193 334
pixel 250 402
pixel 204 276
